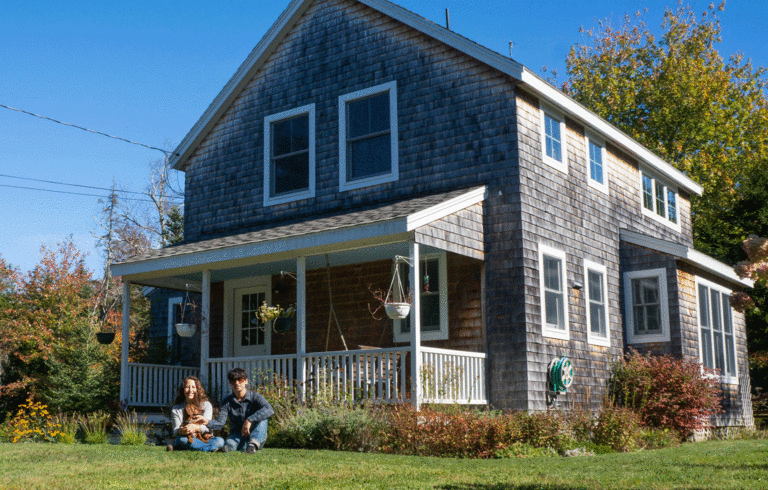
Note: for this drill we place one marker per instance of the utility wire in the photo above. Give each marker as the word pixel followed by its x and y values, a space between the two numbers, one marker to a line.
pixel 80 185
pixel 69 192
pixel 86 129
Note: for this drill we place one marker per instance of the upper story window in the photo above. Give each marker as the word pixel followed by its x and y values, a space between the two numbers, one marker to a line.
pixel 433 297
pixel 553 138
pixel 554 297
pixel 647 311
pixel 717 348
pixel 659 200
pixel 595 276
pixel 368 137
pixel 289 155
pixel 597 158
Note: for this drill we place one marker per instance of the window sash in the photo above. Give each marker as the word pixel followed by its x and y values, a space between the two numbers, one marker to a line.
pixel 718 350
pixel 553 138
pixel 647 192
pixel 369 145
pixel 595 162
pixel 646 305
pixel 597 313
pixel 553 293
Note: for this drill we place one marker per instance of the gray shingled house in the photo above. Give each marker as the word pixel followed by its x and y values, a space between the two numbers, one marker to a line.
pixel 358 140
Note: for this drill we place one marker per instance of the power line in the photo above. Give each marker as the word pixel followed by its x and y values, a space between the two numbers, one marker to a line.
pixel 82 185
pixel 69 192
pixel 86 129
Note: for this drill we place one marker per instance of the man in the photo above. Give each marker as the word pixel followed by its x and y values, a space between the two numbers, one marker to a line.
pixel 247 411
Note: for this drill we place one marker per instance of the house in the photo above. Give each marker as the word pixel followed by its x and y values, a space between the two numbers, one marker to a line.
pixel 358 140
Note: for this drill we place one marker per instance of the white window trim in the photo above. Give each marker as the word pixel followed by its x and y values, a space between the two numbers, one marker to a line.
pixel 299 194
pixel 172 302
pixel 591 337
pixel 442 333
pixel 591 137
pixel 393 175
pixel 661 274
pixel 652 213
pixel 560 117
pixel 546 330
pixel 724 378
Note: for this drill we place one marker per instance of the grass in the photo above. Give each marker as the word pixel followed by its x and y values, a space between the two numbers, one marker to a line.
pixel 712 464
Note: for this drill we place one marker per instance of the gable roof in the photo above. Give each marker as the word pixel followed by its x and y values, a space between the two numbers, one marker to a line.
pixel 529 80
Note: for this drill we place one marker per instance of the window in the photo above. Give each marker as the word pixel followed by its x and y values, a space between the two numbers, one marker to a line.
pixel 596 158
pixel 289 155
pixel 647 314
pixel 716 340
pixel 554 300
pixel 553 139
pixel 368 137
pixel 659 200
pixel 598 331
pixel 433 294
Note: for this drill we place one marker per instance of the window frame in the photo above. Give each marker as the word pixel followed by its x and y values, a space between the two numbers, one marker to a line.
pixel 732 378
pixel 593 338
pixel 442 332
pixel 296 195
pixel 546 329
pixel 661 276
pixel 547 111
pixel 591 138
pixel 393 175
pixel 666 190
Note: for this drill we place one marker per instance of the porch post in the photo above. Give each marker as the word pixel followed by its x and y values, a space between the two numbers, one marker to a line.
pixel 125 372
pixel 413 280
pixel 301 324
pixel 205 331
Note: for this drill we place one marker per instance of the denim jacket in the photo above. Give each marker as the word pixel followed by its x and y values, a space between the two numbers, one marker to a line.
pixel 252 407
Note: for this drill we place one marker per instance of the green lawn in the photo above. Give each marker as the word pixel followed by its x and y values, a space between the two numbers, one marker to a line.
pixel 714 464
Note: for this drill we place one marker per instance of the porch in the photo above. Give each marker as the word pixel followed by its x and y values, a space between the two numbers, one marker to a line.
pixel 336 349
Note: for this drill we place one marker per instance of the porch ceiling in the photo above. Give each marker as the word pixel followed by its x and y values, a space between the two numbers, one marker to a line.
pixel 354 237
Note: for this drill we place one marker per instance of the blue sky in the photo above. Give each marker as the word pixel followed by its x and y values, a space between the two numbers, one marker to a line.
pixel 146 71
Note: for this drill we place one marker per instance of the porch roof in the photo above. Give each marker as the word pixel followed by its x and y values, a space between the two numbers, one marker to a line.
pixel 179 266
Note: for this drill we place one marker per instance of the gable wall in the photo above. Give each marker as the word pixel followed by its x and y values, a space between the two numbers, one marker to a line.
pixel 455 120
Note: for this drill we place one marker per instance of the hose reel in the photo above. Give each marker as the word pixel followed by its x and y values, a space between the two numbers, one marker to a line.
pixel 560 374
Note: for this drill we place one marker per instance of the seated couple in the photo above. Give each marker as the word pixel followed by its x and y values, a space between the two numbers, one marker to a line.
pixel 192 414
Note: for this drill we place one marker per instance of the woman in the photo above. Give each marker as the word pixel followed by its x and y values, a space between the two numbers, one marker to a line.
pixel 190 407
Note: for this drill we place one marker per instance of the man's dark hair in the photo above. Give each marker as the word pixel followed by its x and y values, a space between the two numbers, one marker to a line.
pixel 236 374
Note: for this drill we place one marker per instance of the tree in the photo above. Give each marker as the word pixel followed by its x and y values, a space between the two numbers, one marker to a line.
pixel 174 226
pixel 680 98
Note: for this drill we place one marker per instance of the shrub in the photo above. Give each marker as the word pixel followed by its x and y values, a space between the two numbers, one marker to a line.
pixel 32 423
pixel 335 428
pixel 131 428
pixel 68 428
pixel 617 428
pixel 523 450
pixel 581 424
pixel 94 427
pixel 545 429
pixel 666 392
pixel 649 438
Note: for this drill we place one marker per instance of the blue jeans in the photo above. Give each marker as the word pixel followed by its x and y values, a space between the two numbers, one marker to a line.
pixel 182 442
pixel 237 442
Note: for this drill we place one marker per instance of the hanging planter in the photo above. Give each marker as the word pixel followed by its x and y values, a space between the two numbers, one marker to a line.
pixel 281 320
pixel 283 324
pixel 105 338
pixel 396 302
pixel 397 311
pixel 186 329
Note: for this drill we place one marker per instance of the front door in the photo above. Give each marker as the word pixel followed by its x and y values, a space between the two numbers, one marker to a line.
pixel 252 337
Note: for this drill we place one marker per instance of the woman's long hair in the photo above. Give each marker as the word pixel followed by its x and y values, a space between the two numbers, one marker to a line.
pixel 200 396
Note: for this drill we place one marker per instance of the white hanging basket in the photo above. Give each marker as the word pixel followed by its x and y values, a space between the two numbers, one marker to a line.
pixel 186 329
pixel 397 311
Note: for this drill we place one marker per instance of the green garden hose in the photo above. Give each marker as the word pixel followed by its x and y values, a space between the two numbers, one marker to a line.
pixel 561 374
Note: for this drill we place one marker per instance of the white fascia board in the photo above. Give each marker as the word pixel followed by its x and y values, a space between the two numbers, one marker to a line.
pixel 693 257
pixel 296 245
pixel 242 77
pixel 608 131
pixel 445 208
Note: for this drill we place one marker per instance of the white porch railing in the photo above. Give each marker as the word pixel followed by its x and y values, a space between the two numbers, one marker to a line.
pixel 448 376
pixel 155 385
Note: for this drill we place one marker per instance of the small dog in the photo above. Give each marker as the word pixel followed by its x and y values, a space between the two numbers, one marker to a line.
pixel 190 413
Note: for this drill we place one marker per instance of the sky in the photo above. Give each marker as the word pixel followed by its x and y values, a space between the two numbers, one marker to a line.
pixel 146 71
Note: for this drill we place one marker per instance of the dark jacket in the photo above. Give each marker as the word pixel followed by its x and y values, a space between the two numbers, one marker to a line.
pixel 253 407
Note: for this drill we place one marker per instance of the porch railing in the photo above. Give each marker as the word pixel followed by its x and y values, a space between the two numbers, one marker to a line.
pixel 447 376
pixel 155 385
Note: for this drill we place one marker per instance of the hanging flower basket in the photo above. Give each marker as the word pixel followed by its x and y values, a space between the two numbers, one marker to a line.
pixel 283 324
pixel 105 337
pixel 397 311
pixel 186 329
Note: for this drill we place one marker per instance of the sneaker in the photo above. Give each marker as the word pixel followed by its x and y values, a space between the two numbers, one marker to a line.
pixel 253 447
pixel 223 449
pixel 169 447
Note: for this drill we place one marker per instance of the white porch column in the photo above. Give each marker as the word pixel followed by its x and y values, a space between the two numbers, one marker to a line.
pixel 413 281
pixel 301 324
pixel 125 372
pixel 205 331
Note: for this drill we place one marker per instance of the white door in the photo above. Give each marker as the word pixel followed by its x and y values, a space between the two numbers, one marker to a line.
pixel 252 337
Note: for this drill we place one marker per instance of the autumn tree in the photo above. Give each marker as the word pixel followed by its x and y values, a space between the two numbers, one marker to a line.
pixel 679 97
